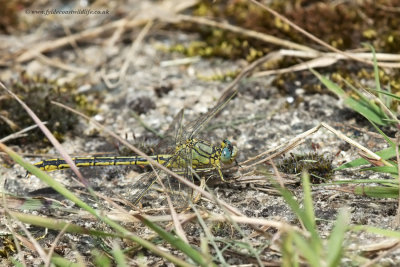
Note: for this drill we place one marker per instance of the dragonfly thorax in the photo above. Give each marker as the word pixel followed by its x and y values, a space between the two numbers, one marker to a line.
pixel 205 154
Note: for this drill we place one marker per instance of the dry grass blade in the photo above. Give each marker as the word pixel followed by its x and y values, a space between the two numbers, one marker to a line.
pixel 61 65
pixel 144 16
pixel 35 243
pixel 321 60
pixel 244 73
pixel 19 133
pixel 277 174
pixel 362 55
pixel 374 261
pixel 174 215
pixel 49 135
pixel 398 171
pixel 87 34
pixel 281 226
pixel 53 245
pixel 319 41
pixel 12 231
pixel 253 34
pixel 314 63
pixel 153 162
pixel 299 139
pixel 129 59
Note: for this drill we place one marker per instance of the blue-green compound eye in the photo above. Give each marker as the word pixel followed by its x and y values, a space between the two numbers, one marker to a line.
pixel 229 152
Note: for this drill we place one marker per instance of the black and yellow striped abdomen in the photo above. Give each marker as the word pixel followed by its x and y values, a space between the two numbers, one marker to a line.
pixel 60 164
pixel 201 154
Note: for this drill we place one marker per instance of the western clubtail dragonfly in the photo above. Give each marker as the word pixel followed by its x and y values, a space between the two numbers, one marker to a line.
pixel 187 155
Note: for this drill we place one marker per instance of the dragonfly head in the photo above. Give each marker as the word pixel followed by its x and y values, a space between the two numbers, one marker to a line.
pixel 229 152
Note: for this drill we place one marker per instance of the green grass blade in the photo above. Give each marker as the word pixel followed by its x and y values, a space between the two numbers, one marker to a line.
pixel 365 101
pixel 333 87
pixel 16 263
pixel 383 169
pixel 100 259
pixel 176 242
pixel 307 250
pixel 388 140
pixel 295 207
pixel 376 70
pixel 69 195
pixel 60 261
pixel 386 153
pixel 59 225
pixel 377 191
pixel 30 203
pixel 393 96
pixel 290 255
pixel 119 256
pixel 305 216
pixel 386 182
pixel 376 230
pixel 335 242
pixel 308 204
pixel 364 108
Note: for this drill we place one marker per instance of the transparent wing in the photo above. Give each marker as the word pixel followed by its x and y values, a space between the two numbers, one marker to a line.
pixel 193 128
pixel 182 155
pixel 142 186
pixel 179 192
pixel 145 182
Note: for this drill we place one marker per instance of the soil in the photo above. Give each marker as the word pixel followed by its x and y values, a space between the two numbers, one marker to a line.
pixel 261 117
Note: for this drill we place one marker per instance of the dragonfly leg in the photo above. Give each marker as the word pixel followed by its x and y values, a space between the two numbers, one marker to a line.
pixel 220 172
pixel 196 195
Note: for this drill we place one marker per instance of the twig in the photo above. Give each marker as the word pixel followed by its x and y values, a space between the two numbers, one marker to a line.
pixel 245 72
pixel 49 135
pixel 87 34
pixel 146 15
pixel 130 57
pixel 54 243
pixel 300 138
pixel 257 35
pixel 398 174
pixel 58 64
pixel 153 162
pixel 278 175
pixel 317 40
pixel 19 133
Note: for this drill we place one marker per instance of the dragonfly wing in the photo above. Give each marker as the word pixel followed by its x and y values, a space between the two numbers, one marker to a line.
pixel 178 124
pixel 193 128
pixel 182 159
pixel 188 170
pixel 166 145
pixel 143 186
pixel 180 192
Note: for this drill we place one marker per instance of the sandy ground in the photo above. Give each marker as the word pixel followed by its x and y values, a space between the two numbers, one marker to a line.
pixel 259 118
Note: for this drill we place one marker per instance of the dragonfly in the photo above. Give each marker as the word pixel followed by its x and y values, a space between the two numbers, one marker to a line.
pixel 186 155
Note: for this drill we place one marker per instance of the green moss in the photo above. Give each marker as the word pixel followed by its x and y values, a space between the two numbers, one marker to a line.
pixel 37 92
pixel 319 167
pixel 225 76
pixel 7 246
pixel 345 26
pixel 224 229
